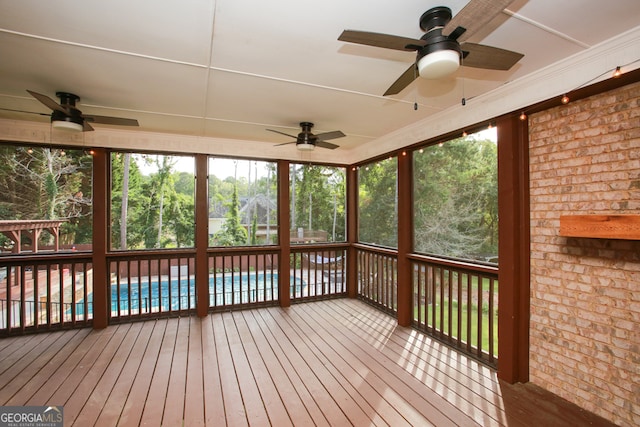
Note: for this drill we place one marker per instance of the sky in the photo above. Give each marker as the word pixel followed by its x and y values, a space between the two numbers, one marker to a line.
pixel 220 167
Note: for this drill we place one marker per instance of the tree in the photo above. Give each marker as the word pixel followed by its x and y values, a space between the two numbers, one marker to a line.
pixel 455 198
pixel 232 233
pixel 318 198
pixel 158 208
pixel 378 201
pixel 48 183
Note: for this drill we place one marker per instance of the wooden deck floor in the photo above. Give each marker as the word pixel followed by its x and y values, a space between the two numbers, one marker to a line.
pixel 328 363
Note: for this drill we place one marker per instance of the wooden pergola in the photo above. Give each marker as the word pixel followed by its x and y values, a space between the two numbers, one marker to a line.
pixel 14 230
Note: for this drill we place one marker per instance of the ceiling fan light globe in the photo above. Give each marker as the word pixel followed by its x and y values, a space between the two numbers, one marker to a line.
pixel 67 125
pixel 439 64
pixel 305 147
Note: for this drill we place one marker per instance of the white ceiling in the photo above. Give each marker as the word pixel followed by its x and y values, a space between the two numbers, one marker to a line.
pixel 232 68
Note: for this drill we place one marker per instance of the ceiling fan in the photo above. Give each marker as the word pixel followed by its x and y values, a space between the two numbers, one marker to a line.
pixel 442 49
pixel 66 115
pixel 306 141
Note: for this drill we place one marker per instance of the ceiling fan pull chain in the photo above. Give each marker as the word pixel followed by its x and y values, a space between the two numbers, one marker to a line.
pixel 464 100
pixel 415 96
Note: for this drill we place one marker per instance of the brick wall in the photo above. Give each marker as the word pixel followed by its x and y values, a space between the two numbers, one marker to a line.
pixel 585 293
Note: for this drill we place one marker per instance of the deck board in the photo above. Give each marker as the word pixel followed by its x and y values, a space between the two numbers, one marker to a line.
pixel 131 413
pixel 439 383
pixel 154 404
pixel 337 362
pixel 109 414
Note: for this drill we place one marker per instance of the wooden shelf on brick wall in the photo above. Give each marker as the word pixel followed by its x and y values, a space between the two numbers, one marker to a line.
pixel 601 226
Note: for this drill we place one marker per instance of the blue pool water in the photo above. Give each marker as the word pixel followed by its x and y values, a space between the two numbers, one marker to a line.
pixel 179 294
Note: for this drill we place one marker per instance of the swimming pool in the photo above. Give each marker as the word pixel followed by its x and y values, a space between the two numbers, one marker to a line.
pixel 179 294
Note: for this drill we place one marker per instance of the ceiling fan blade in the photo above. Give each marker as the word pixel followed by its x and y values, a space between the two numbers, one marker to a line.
pixel 381 40
pixel 330 135
pixel 488 57
pixel 475 15
pixel 49 102
pixel 285 143
pixel 325 144
pixel 282 133
pixel 403 81
pixel 107 120
pixel 28 112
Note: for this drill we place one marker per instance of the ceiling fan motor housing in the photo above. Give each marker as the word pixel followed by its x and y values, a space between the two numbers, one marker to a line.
pixel 74 116
pixel 306 140
pixel 441 54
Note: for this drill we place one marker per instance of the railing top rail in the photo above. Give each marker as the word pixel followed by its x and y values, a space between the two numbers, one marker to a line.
pixel 376 249
pixel 319 247
pixel 243 250
pixel 459 265
pixel 40 258
pixel 152 254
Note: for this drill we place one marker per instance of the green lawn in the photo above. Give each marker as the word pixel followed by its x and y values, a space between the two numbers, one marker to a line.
pixel 453 327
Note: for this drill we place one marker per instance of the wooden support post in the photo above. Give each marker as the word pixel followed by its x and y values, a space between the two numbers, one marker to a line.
pixel 101 277
pixel 405 237
pixel 202 235
pixel 513 275
pixel 284 261
pixel 352 231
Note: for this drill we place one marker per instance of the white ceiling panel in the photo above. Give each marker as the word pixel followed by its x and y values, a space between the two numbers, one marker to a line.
pixel 232 68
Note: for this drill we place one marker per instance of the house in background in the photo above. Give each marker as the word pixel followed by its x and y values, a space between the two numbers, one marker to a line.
pixel 209 78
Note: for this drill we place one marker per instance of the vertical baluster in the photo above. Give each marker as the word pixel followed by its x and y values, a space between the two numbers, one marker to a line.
pixel 415 292
pixel 72 276
pixel 191 285
pixel 459 325
pixel 274 270
pixel 314 281
pixel 490 319
pixel 139 302
pixel 149 303
pixel 61 291
pixel 441 282
pixel 85 292
pixel 49 285
pixel 117 288
pixel 164 298
pixel 433 298
pixel 170 291
pixel 450 304
pixel 213 284
pixel 233 280
pixel 479 327
pixel 469 310
pixel 176 283
pixel 265 275
pixel 387 282
pixel 36 301
pixel 22 309
pixel 129 290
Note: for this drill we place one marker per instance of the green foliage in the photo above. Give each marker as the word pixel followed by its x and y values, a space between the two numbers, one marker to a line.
pixel 47 183
pixel 232 233
pixel 455 199
pixel 318 199
pixel 378 210
pixel 160 206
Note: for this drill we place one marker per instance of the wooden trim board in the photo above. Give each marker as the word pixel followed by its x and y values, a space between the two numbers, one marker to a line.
pixel 601 226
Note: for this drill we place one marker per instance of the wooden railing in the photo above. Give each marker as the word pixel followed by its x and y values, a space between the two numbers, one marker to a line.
pixel 318 271
pixel 151 284
pixel 453 301
pixel 45 292
pixel 457 302
pixel 243 277
pixel 377 277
